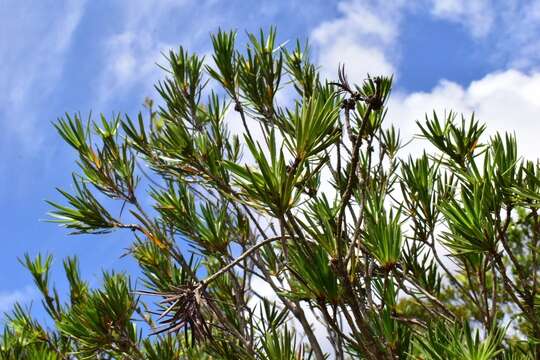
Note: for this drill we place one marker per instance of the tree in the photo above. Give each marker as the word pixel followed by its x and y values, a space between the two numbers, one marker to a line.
pixel 384 255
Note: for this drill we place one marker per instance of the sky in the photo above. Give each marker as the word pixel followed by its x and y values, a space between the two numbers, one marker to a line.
pixel 60 57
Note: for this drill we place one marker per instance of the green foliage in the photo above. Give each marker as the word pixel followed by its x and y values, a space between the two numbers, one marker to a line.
pixel 313 276
pixel 459 343
pixel 102 324
pixel 383 232
pixel 312 232
pixel 86 214
pixel 273 186
pixel 313 127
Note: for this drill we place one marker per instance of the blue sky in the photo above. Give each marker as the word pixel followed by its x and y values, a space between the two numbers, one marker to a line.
pixel 67 56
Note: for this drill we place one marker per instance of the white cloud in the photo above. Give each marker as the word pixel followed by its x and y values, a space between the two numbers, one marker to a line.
pixel 477 15
pixel 365 34
pixel 358 60
pixel 361 37
pixel 357 20
pixel 505 101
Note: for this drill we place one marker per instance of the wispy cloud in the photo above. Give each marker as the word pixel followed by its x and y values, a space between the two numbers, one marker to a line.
pixel 133 52
pixel 478 16
pixel 133 57
pixel 509 30
pixel 517 33
pixel 33 40
pixel 21 296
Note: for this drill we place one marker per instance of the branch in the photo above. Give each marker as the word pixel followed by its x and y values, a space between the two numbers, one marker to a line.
pixel 238 260
pixel 352 171
pixel 430 297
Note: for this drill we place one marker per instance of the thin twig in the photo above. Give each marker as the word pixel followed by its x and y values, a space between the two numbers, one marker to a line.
pixel 238 260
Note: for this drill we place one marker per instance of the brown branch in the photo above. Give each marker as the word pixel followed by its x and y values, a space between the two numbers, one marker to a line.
pixel 351 176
